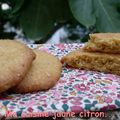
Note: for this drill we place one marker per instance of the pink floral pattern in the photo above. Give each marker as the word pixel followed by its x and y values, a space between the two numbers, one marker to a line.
pixel 77 90
pixel 81 87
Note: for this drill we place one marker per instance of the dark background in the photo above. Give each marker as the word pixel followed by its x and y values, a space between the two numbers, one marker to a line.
pixel 37 21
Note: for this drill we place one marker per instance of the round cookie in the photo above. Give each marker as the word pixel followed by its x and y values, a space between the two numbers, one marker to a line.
pixel 44 73
pixel 15 61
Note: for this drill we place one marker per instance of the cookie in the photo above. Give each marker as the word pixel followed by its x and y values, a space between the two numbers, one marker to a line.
pixel 44 73
pixel 15 60
pixel 103 42
pixel 107 63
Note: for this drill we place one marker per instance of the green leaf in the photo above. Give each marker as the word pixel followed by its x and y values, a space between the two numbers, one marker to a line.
pixel 40 108
pixel 117 103
pixel 83 11
pixel 17 4
pixel 39 16
pixel 36 20
pixel 65 107
pixel 88 106
pixel 19 113
pixel 6 103
pixel 53 107
pixel 101 13
pixel 86 101
pixel 107 16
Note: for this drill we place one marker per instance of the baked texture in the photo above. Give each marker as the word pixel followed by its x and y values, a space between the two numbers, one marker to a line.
pixel 108 63
pixel 43 74
pixel 15 61
pixel 103 42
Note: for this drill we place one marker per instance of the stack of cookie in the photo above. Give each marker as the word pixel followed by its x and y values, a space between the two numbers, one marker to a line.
pixel 25 70
pixel 100 53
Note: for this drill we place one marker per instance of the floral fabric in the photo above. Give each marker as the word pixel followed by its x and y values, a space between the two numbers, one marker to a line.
pixel 77 90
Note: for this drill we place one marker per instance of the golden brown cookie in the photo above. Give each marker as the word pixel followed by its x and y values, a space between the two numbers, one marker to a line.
pixel 15 60
pixel 103 42
pixel 44 73
pixel 108 63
